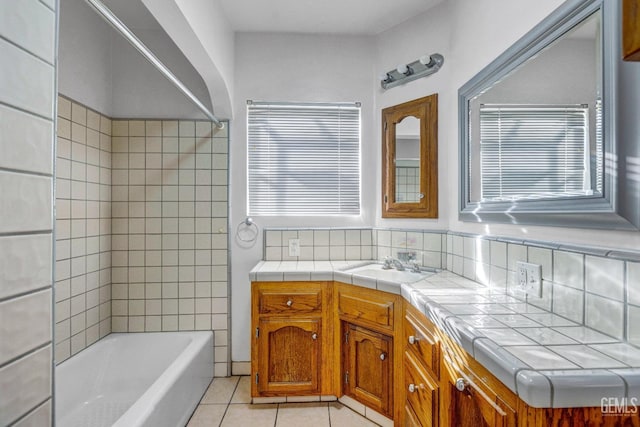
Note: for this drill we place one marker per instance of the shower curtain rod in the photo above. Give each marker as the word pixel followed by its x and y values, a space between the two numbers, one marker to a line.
pixel 119 26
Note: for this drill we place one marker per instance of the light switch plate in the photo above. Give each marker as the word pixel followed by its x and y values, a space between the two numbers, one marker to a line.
pixel 530 278
pixel 294 247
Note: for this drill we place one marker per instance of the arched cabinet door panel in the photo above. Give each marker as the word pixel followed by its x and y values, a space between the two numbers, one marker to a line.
pixel 367 367
pixel 289 355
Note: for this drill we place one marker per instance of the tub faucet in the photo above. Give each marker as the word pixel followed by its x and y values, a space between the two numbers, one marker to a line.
pixel 390 262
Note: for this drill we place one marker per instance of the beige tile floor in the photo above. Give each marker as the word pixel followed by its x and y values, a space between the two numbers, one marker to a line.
pixel 227 403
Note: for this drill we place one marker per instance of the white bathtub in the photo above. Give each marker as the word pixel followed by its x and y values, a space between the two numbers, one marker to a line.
pixel 137 379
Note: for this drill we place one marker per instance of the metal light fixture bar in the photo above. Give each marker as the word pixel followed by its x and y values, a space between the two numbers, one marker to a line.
pixel 119 26
pixel 404 73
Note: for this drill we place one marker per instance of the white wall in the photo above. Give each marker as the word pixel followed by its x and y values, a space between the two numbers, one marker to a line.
pixel 305 68
pixel 423 35
pixel 84 56
pixel 99 69
pixel 141 91
pixel 469 33
pixel 480 31
pixel 203 33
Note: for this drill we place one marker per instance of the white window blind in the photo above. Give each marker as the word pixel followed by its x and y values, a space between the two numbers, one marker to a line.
pixel 534 152
pixel 303 159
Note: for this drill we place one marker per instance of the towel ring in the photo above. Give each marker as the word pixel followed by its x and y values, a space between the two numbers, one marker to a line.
pixel 247 231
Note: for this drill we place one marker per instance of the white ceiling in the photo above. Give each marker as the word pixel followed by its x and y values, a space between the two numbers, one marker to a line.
pixel 321 16
pixel 295 16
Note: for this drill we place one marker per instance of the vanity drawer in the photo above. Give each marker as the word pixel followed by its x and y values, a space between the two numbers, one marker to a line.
pixel 374 308
pixel 284 301
pixel 422 392
pixel 420 339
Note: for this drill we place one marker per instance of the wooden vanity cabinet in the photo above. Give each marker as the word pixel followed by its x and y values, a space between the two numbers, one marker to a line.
pixel 371 353
pixel 421 369
pixel 443 386
pixel 291 337
pixel 367 365
pixel 469 400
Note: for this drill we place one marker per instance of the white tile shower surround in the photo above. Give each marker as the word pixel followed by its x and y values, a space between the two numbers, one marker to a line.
pixel 227 403
pixel 514 340
pixel 26 210
pixel 159 191
pixel 83 228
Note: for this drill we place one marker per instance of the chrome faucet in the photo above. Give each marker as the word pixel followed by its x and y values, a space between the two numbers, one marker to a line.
pixel 390 262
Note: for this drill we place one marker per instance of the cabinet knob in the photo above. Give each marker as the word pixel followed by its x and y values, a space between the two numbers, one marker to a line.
pixel 412 388
pixel 412 339
pixel 289 303
pixel 383 356
pixel 461 384
pixel 314 336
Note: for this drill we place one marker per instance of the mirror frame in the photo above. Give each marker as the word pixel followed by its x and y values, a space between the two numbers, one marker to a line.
pixel 426 110
pixel 598 211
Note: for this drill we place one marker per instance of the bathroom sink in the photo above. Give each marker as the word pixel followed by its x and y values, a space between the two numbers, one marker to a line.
pixel 375 271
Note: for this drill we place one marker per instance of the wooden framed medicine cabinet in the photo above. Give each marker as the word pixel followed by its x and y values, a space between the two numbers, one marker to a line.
pixel 410 159
pixel 631 30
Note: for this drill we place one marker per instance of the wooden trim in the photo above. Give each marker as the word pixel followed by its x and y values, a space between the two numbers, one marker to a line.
pixel 426 110
pixel 631 30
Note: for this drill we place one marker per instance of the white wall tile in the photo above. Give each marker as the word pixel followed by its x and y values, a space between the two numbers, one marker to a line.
pixel 515 253
pixel 26 205
pixel 469 248
pixel 29 24
pixel 41 416
pixel 633 283
pixel 26 141
pixel 27 382
pixel 604 315
pixel 605 277
pixel 544 258
pixel 568 302
pixel 633 325
pixel 25 263
pixel 25 323
pixel 499 254
pixel 568 269
pixel 28 84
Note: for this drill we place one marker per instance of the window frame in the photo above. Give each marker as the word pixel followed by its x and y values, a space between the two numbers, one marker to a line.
pixel 498 116
pixel 293 209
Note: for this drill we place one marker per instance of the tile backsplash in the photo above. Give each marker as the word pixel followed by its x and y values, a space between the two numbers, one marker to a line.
pixel 327 244
pixel 595 287
pixel 592 286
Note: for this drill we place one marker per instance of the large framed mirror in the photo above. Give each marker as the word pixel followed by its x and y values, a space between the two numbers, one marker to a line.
pixel 537 126
pixel 410 159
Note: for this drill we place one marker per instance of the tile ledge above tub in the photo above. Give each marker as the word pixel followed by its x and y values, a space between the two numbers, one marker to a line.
pixel 587 367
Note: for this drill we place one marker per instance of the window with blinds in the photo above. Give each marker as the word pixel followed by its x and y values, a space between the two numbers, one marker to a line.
pixel 531 152
pixel 303 159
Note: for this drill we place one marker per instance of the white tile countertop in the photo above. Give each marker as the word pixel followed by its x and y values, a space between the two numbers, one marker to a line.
pixel 547 360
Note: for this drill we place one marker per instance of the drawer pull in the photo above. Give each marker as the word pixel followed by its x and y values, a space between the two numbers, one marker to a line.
pixel 412 388
pixel 289 303
pixel 412 339
pixel 314 336
pixel 461 384
pixel 383 356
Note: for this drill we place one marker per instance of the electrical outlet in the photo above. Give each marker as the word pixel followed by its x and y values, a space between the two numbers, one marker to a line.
pixel 530 278
pixel 294 247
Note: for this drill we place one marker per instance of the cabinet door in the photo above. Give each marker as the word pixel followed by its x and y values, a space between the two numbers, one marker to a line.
pixel 289 356
pixel 367 368
pixel 470 405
